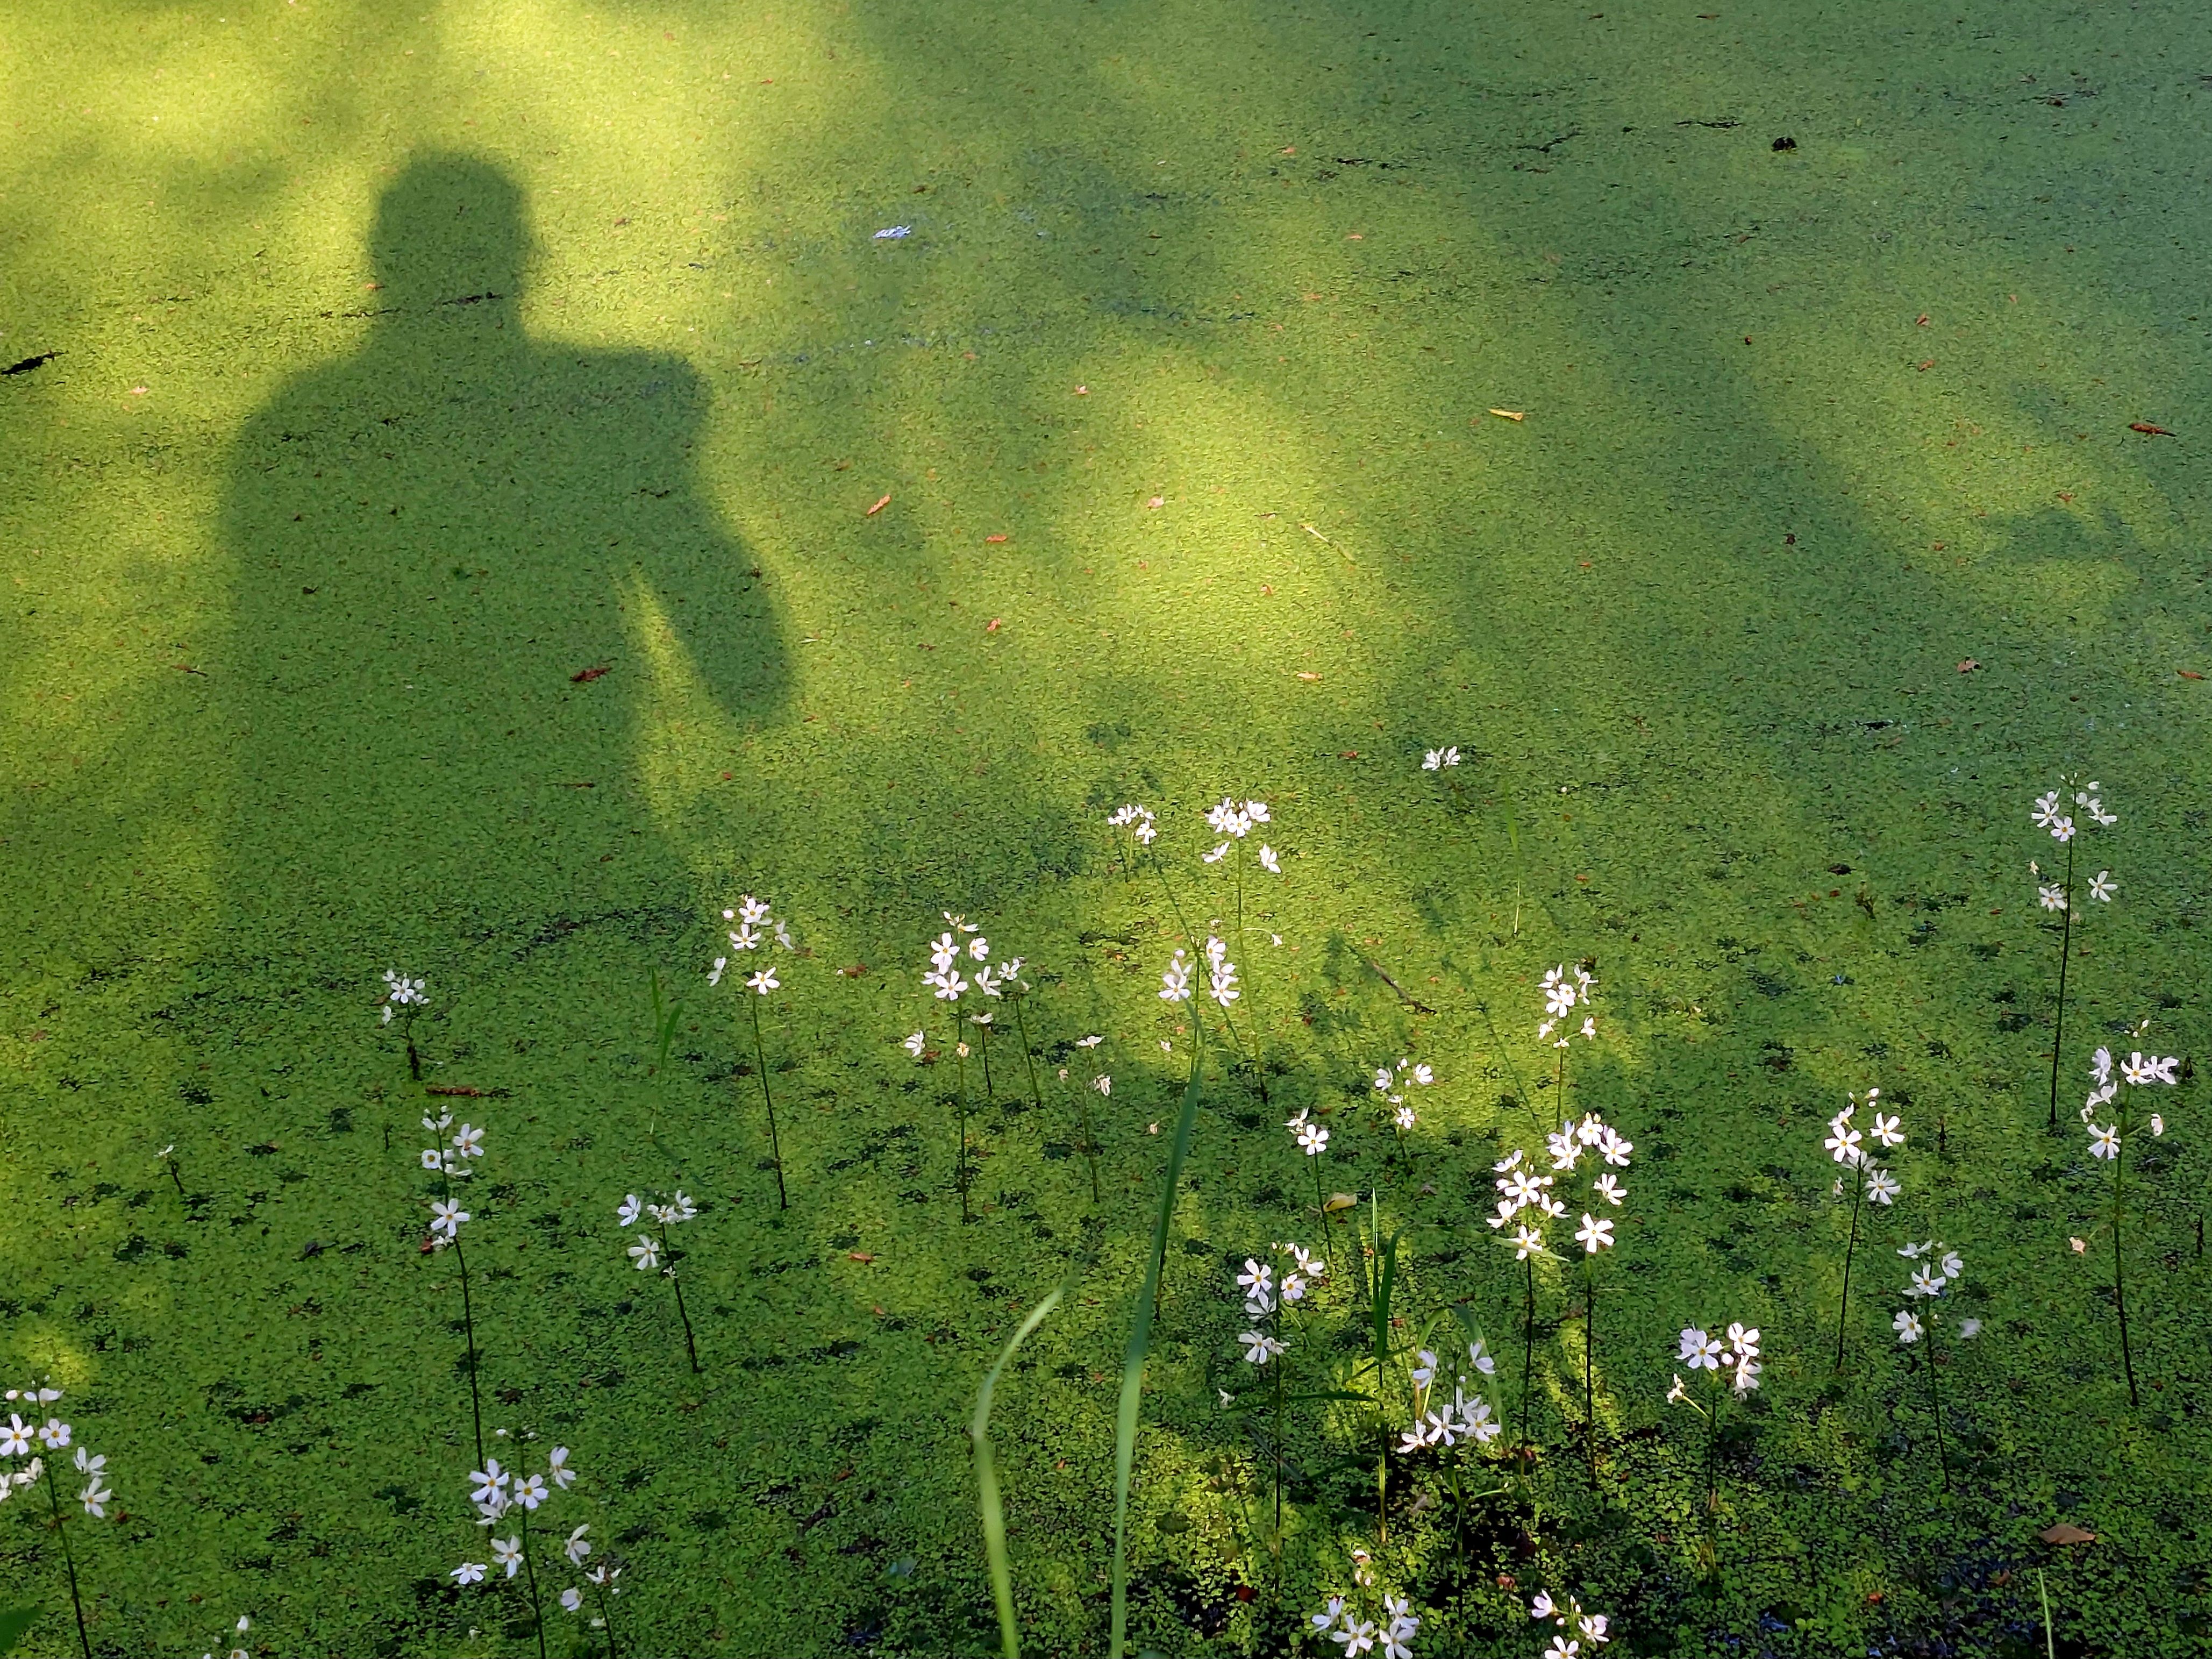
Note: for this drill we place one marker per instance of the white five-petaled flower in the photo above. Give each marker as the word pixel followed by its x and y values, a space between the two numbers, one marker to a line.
pixel 764 981
pixel 1843 1140
pixel 913 1044
pixel 556 1467
pixel 714 974
pixel 2052 895
pixel 1907 1326
pixel 1607 1188
pixel 2100 1066
pixel 1594 1235
pixel 469 1572
pixel 1221 973
pixel 1174 982
pixel 572 1600
pixel 2104 1140
pixel 1526 1241
pixel 1881 1186
pixel 1313 1139
pixel 447 1216
pixel 2140 1070
pixel 1268 861
pixel 2045 813
pixel 1698 1350
pixel 1887 1132
pixel 577 1549
pixel 2102 887
pixel 399 988
pixel 646 1253
pixel 508 1552
pixel 627 1212
pixel 490 1481
pixel 1259 1346
pixel 15 1437
pixel 530 1490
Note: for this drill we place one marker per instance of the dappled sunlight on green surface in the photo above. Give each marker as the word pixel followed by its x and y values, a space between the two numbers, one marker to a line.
pixel 412 364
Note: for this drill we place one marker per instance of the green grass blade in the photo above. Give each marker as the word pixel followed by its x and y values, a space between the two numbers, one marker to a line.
pixel 987 1480
pixel 1140 1341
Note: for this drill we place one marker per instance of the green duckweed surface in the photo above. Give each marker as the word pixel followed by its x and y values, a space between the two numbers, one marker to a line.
pixel 478 494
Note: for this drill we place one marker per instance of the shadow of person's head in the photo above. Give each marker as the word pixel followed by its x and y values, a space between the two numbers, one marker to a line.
pixel 450 228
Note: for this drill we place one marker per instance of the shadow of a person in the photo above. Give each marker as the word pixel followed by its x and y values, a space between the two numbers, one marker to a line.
pixel 434 538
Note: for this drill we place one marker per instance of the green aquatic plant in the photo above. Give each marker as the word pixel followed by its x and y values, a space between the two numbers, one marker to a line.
pixel 2108 1144
pixel 408 996
pixel 2053 812
pixel 1733 1366
pixel 42 1443
pixel 499 1494
pixel 1595 1234
pixel 449 1161
pixel 991 1512
pixel 1869 1182
pixel 646 1253
pixel 755 926
pixel 943 977
pixel 667 1014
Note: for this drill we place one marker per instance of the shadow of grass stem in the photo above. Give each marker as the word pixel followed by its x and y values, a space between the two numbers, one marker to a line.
pixel 774 1145
pixel 691 1347
pixel 68 1560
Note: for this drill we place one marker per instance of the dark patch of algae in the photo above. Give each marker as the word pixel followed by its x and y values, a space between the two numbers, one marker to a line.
pixel 409 366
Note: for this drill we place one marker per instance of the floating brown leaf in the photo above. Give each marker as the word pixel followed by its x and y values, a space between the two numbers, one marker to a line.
pixel 2066 1533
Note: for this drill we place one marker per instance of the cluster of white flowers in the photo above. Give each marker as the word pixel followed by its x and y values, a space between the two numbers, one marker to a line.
pixel 1938 1266
pixel 2137 1071
pixel 1520 1188
pixel 1564 987
pixel 1435 759
pixel 646 1253
pixel 1848 1144
pixel 1138 820
pixel 1221 973
pixel 1234 820
pixel 943 975
pixel 496 1492
pixel 754 926
pixel 1567 1615
pixel 400 992
pixel 1391 1638
pixel 1264 1298
pixel 451 1158
pixel 1464 1417
pixel 1738 1354
pixel 1312 1138
pixel 18 1437
pixel 2048 814
pixel 1393 1082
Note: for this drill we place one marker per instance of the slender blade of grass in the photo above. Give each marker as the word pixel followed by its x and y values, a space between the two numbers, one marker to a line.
pixel 1140 1341
pixel 987 1480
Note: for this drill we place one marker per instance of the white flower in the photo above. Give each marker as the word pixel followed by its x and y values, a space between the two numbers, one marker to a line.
pixel 714 974
pixel 1747 1377
pixel 15 1437
pixel 1510 1162
pixel 1614 1149
pixel 1146 831
pixel 508 1552
pixel 646 1253
pixel 2140 1070
pixel 627 1211
pixel 1259 1346
pixel 468 1142
pixel 95 1498
pixel 746 937
pixel 2063 830
pixel 683 1209
pixel 469 1572
pixel 1103 1083
pixel 1907 1326
pixel 1607 1188
pixel 447 1216
pixel 913 1044
pixel 1564 1147
pixel 1592 1626
pixel 1257 1276
pixel 1174 983
pixel 2101 887
pixel 1558 995
pixel 1448 756
pixel 1404 1117
pixel 2105 1141
pixel 2045 813
pixel 1881 1186
pixel 1327 1618
pixel 1479 1360
pixel 572 1600
pixel 1887 1132
pixel 2053 897
pixel 1969 1329
pixel 1356 1637
pixel 1542 1605
pixel 490 1482
pixel 1561 1648
pixel 399 988
pixel 1313 1139
pixel 557 1466
pixel 433 1158
pixel 1699 1350
pixel 1382 1080
pixel 530 1493
pixel 1843 1141
pixel 1594 1235
pixel 1589 1027
pixel 764 981
pixel 1268 862
pixel 1526 1241
pixel 2157 1125
pixel 1745 1340
pixel 576 1548
pixel 1926 1282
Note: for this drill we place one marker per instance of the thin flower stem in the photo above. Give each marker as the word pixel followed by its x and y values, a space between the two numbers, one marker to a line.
pixel 607 1617
pixel 2065 954
pixel 178 1181
pixel 1527 1360
pixel 469 1322
pixel 1935 1410
pixel 1589 1363
pixel 983 1032
pixel 774 1145
pixel 68 1561
pixel 1851 1247
pixel 407 1035
pixel 2119 1277
pixel 690 1346
pixel 960 1064
pixel 530 1568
